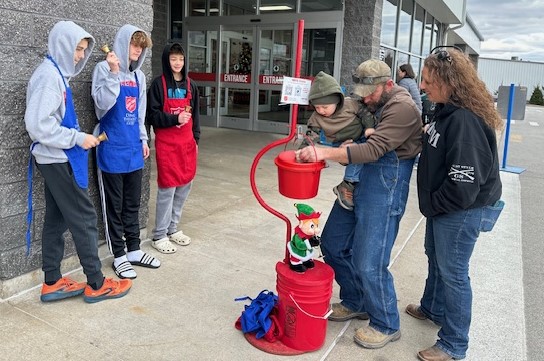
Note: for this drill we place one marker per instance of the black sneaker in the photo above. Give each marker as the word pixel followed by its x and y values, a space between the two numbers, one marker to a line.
pixel 344 193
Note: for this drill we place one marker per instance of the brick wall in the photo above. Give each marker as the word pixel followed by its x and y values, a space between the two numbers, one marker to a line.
pixel 25 27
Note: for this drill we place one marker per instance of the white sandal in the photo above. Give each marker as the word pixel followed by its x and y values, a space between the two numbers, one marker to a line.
pixel 163 245
pixel 180 238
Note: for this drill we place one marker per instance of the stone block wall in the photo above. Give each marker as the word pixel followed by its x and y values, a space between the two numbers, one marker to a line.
pixel 25 27
pixel 361 38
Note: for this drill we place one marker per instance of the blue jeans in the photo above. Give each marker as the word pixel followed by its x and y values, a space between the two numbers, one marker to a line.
pixel 353 170
pixel 352 173
pixel 447 299
pixel 357 245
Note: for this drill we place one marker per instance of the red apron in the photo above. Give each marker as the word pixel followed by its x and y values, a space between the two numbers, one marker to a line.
pixel 175 147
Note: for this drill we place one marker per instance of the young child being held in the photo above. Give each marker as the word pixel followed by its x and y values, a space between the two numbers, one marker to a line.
pixel 339 119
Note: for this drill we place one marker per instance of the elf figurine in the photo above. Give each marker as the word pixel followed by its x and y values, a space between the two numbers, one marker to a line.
pixel 300 248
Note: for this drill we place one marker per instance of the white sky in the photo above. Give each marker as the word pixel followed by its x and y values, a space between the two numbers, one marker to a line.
pixel 510 28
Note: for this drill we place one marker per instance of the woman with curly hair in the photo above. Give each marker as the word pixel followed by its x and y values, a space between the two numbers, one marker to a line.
pixel 459 192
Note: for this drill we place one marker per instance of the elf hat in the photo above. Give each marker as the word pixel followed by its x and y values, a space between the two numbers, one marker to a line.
pixel 306 212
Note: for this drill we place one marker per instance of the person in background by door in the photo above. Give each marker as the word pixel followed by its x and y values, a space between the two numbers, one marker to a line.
pixel 459 190
pixel 60 150
pixel 406 79
pixel 119 93
pixel 173 111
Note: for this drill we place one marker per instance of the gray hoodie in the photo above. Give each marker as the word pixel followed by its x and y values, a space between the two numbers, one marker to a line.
pixel 45 107
pixel 107 85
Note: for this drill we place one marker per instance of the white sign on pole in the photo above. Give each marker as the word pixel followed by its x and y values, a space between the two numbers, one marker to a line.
pixel 295 90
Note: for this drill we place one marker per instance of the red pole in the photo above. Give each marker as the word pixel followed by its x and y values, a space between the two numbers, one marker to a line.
pixel 292 133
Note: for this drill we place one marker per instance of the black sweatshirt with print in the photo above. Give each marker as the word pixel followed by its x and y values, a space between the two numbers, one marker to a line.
pixel 459 164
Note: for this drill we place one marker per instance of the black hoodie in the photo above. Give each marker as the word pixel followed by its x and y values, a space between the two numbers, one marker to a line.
pixel 459 164
pixel 156 117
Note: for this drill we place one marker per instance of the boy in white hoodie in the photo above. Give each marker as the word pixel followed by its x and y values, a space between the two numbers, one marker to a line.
pixel 60 150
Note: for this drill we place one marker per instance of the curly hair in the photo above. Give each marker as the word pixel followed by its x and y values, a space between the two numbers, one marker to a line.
pixel 139 38
pixel 456 71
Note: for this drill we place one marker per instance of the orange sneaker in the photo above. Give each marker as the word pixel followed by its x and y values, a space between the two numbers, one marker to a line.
pixel 64 288
pixel 110 289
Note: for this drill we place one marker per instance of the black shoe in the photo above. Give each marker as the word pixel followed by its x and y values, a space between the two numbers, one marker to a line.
pixel 300 268
pixel 309 264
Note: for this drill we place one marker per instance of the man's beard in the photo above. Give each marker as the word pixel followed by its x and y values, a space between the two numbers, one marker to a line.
pixel 384 98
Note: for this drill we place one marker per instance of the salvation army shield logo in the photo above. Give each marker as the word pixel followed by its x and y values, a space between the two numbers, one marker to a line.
pixel 130 104
pixel 175 111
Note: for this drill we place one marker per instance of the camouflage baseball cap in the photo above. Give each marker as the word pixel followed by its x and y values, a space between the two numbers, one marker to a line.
pixel 368 75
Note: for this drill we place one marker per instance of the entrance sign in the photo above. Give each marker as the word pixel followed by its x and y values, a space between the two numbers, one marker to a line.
pixel 295 90
pixel 271 79
pixel 237 78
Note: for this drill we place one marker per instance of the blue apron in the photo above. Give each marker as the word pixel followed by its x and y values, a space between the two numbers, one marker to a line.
pixel 77 156
pixel 123 152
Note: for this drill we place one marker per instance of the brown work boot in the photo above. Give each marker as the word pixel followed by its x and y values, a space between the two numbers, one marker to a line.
pixel 433 354
pixel 369 337
pixel 415 311
pixel 344 192
pixel 342 313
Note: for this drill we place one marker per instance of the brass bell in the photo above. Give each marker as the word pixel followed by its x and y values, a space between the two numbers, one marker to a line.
pixel 105 48
pixel 102 137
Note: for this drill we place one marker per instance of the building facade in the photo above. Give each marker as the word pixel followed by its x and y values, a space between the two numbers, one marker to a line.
pixel 503 72
pixel 237 51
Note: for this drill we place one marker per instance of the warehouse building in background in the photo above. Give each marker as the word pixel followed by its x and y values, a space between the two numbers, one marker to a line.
pixel 238 51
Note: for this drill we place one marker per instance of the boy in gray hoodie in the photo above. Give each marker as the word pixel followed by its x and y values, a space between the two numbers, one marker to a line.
pixel 60 150
pixel 339 119
pixel 119 93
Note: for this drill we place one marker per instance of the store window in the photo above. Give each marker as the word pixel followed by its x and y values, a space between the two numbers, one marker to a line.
pixel 202 65
pixel 201 7
pixel 427 34
pixel 318 51
pixel 417 30
pixel 389 20
pixel 176 13
pixel 405 25
pixel 273 6
pixel 239 7
pixel 320 5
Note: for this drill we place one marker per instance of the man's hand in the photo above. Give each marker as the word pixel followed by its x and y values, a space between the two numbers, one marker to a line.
pixel 308 154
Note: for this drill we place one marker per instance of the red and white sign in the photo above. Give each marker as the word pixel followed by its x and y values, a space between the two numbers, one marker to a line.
pixel 271 79
pixel 237 78
pixel 295 90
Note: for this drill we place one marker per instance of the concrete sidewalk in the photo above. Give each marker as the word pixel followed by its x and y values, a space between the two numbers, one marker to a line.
pixel 185 310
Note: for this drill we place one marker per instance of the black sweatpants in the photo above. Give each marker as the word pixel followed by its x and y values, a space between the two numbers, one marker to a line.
pixel 121 194
pixel 67 206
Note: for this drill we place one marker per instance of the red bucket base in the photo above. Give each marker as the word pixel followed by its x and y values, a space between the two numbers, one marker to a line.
pixel 276 348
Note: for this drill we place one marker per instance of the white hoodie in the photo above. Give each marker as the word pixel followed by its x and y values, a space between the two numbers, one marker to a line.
pixel 45 106
pixel 107 85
